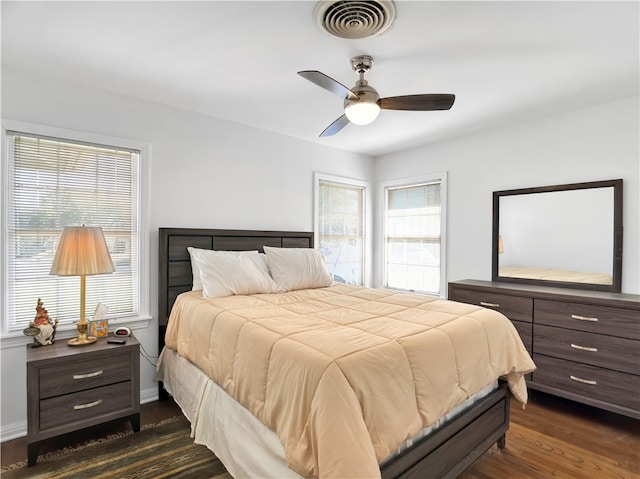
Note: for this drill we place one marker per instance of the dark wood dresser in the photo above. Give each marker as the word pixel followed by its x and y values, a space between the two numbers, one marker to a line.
pixel 74 387
pixel 586 344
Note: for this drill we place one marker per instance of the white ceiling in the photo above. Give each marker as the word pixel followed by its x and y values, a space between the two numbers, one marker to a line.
pixel 505 61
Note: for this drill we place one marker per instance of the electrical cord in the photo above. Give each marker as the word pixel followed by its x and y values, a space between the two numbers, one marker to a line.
pixel 147 356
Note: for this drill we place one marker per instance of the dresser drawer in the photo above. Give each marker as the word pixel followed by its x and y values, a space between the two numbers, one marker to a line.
pixel 597 350
pixel 79 375
pixel 525 330
pixel 585 317
pixel 513 307
pixel 603 327
pixel 78 407
pixel 589 382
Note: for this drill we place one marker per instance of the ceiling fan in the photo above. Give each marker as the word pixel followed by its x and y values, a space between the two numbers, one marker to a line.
pixel 362 103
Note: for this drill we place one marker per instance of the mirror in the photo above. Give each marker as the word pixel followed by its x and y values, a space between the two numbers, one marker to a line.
pixel 565 235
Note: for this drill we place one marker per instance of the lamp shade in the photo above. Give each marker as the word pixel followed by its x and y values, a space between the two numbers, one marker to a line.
pixel 82 251
pixel 362 113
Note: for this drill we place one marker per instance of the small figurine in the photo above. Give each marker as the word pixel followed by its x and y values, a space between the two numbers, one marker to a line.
pixel 41 328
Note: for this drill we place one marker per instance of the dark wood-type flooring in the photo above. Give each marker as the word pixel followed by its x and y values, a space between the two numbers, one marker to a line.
pixel 551 438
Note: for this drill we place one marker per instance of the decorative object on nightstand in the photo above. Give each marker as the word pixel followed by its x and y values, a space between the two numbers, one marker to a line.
pixel 82 251
pixel 99 322
pixel 41 327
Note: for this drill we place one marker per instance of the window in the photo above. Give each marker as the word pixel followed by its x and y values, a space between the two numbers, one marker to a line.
pixel 413 237
pixel 340 226
pixel 51 183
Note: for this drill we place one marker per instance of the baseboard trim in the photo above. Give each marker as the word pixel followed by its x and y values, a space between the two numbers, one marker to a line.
pixel 13 431
pixel 149 395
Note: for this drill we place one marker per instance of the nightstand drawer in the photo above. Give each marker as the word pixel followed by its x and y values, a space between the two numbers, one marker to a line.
pixel 586 317
pixel 85 405
pixel 608 352
pixel 80 375
pixel 588 381
pixel 513 307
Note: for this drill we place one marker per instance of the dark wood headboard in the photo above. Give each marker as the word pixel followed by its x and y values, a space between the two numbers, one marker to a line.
pixel 175 264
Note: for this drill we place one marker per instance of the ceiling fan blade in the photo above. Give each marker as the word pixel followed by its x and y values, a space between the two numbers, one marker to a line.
pixel 328 83
pixel 427 102
pixel 335 127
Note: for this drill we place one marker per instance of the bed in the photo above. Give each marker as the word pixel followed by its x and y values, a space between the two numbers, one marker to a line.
pixel 227 418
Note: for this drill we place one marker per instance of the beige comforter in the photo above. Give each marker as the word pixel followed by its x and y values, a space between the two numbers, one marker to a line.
pixel 345 374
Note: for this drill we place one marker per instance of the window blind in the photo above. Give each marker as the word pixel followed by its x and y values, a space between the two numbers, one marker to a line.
pixel 340 230
pixel 413 237
pixel 53 183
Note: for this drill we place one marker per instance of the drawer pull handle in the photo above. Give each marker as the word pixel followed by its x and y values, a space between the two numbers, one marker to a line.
pixel 88 405
pixel 584 381
pixel 584 318
pixel 490 305
pixel 88 375
pixel 584 348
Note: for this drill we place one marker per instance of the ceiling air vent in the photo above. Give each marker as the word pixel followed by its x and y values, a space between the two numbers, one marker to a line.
pixel 355 18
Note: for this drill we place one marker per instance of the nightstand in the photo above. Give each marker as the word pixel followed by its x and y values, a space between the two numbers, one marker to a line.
pixel 75 387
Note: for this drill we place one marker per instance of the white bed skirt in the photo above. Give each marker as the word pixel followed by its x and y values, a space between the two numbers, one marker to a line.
pixel 246 447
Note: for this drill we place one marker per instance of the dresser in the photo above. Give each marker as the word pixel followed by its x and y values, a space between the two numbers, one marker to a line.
pixel 74 387
pixel 586 344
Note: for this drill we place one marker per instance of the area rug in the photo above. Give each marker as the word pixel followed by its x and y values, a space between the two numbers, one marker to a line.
pixel 163 450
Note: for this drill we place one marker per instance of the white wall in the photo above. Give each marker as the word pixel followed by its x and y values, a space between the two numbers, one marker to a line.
pixel 598 143
pixel 205 172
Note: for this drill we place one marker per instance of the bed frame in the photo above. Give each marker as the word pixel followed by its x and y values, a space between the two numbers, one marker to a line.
pixel 445 453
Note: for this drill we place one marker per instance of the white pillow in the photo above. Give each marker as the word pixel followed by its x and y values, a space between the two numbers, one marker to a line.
pixel 195 270
pixel 225 273
pixel 297 268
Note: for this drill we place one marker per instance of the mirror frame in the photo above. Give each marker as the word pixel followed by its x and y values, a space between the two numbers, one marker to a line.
pixel 616 285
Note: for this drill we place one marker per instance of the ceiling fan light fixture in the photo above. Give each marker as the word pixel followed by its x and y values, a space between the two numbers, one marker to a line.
pixel 362 104
pixel 362 113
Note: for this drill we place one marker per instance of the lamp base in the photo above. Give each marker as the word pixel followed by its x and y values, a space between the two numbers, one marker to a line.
pixel 82 341
pixel 83 325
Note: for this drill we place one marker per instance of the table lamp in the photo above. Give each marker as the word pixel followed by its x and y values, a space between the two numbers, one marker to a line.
pixel 83 252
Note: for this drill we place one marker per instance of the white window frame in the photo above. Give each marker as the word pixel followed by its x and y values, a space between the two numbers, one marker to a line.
pixel 407 182
pixel 366 227
pixel 142 319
